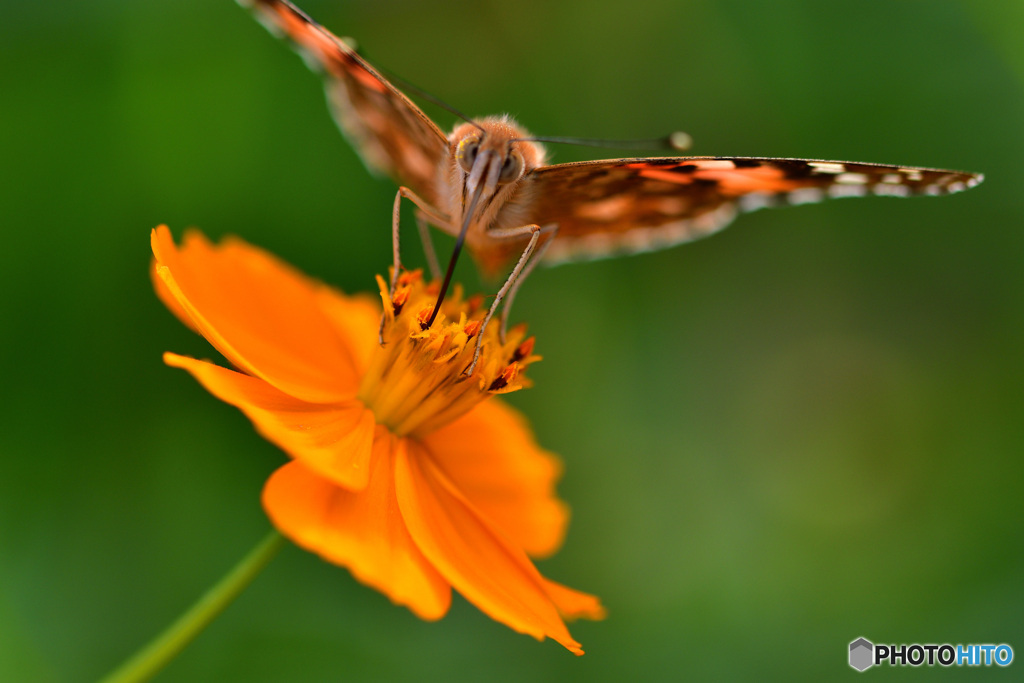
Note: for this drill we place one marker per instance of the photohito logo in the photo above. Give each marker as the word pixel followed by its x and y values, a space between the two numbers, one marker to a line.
pixel 865 654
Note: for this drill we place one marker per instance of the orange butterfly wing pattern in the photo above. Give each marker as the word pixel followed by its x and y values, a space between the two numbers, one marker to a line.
pixel 601 208
pixel 391 133
pixel 619 206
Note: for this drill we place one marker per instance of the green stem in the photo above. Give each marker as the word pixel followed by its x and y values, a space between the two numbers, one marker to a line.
pixel 153 657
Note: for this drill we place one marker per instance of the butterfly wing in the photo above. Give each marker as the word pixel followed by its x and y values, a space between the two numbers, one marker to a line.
pixel 391 134
pixel 616 206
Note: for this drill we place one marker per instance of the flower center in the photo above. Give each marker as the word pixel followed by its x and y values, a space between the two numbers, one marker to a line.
pixel 417 381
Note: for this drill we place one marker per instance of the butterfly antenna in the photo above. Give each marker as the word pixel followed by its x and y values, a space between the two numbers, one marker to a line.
pixel 433 99
pixel 677 141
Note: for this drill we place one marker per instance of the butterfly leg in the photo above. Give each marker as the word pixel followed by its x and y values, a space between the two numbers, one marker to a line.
pixel 424 213
pixel 549 231
pixel 534 231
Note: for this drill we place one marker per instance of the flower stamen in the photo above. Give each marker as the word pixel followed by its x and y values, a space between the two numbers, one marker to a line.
pixel 417 380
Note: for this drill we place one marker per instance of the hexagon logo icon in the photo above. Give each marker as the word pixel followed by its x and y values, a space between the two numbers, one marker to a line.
pixel 862 653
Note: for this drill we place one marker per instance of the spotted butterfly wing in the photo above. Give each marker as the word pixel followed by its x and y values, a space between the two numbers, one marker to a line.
pixel 616 206
pixel 391 133
pixel 600 208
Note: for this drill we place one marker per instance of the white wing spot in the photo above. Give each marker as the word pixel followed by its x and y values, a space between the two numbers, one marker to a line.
pixel 755 201
pixel 714 165
pixel 852 178
pixel 266 19
pixel 806 195
pixel 826 167
pixel 957 187
pixel 932 190
pixel 913 174
pixel 974 181
pixel 675 233
pixel 892 178
pixel 883 190
pixel 636 241
pixel 713 220
pixel 312 61
pixel 838 191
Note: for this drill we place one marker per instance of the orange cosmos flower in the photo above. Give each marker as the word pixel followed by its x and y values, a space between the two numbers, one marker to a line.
pixel 401 470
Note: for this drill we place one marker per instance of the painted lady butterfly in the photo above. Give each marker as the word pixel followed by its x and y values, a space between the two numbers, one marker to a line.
pixel 487 182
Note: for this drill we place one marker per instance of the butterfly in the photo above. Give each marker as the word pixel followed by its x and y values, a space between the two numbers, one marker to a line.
pixel 488 184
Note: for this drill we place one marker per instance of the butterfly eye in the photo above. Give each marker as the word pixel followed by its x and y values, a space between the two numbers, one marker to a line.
pixel 512 168
pixel 466 152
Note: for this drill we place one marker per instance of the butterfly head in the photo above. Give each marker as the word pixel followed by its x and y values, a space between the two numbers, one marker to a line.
pixel 488 158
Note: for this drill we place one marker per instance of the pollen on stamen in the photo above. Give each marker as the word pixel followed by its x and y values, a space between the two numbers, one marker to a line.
pixel 417 381
pixel 424 318
pixel 524 350
pixel 403 286
pixel 505 379
pixel 398 300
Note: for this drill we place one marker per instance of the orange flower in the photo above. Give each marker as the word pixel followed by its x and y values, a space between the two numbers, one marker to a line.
pixel 401 471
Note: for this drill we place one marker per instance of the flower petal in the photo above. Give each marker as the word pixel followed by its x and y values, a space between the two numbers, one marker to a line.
pixel 260 313
pixel 163 292
pixel 352 316
pixel 491 457
pixel 333 439
pixel 574 604
pixel 476 559
pixel 362 531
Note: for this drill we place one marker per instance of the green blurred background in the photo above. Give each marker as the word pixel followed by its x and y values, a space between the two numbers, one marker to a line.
pixel 800 431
